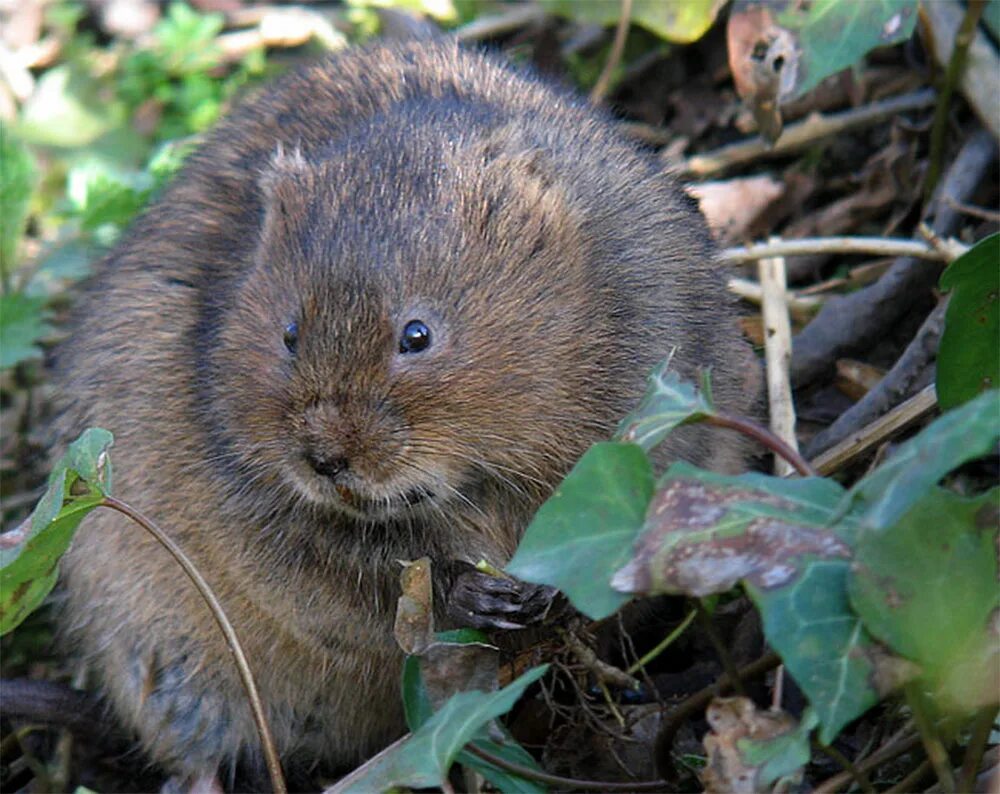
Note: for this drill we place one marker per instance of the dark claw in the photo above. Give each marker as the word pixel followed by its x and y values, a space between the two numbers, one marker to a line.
pixel 481 601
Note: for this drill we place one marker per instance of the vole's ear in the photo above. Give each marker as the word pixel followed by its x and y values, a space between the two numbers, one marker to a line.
pixel 283 184
pixel 522 195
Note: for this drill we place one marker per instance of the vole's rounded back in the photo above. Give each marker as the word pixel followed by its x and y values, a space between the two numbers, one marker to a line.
pixel 378 315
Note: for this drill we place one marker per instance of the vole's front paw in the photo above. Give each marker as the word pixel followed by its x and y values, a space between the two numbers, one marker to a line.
pixel 482 601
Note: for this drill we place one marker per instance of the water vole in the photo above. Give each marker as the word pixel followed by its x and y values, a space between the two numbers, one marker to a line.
pixel 377 316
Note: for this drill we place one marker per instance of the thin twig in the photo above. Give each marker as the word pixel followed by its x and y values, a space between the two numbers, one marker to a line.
pixel 246 675
pixel 600 89
pixel 956 65
pixel 853 322
pixel 802 305
pixel 909 783
pixel 933 746
pixel 981 213
pixel 602 671
pixel 725 658
pixel 778 355
pixel 846 245
pixel 663 645
pixel 886 426
pixel 859 777
pixel 887 752
pixel 697 702
pixel 573 784
pixel 490 27
pixel 765 437
pixel 981 728
pixel 807 132
pixel 909 375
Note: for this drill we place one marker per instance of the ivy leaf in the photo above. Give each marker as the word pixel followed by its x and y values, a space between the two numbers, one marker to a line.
pixel 418 710
pixel 584 532
pixel 833 35
pixel 30 553
pixel 927 588
pixel 786 542
pixel 705 532
pixel 965 433
pixel 422 760
pixel 823 643
pixel 968 361
pixel 668 403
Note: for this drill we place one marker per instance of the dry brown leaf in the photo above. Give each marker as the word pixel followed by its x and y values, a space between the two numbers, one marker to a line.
pixel 733 719
pixel 764 60
pixel 732 206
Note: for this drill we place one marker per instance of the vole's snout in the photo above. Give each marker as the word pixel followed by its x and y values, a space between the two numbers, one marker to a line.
pixel 332 466
pixel 351 444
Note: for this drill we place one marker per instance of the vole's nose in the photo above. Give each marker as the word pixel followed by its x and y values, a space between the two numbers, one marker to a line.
pixel 331 467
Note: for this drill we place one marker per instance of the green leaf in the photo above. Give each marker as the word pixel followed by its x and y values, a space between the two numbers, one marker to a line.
pixel 30 553
pixel 22 325
pixel 786 542
pixel 17 180
pixel 927 588
pixel 68 109
pixel 185 40
pixel 423 759
pixel 584 532
pixel 672 20
pixel 416 703
pixel 968 359
pixel 705 532
pixel 668 403
pixel 823 644
pixel 832 34
pixel 107 199
pixel 417 707
pixel 967 432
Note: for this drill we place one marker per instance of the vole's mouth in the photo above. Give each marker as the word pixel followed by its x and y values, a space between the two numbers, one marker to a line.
pixel 391 504
pixel 360 500
pixel 366 507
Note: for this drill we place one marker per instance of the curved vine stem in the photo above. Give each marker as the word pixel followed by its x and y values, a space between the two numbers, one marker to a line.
pixel 765 437
pixel 246 675
pixel 573 784
pixel 614 57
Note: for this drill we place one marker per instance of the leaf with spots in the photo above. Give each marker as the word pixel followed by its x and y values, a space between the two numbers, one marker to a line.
pixel 583 533
pixel 30 553
pixel 668 403
pixel 784 540
pixel 705 532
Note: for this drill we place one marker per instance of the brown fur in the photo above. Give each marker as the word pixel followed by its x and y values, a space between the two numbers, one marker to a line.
pixel 555 265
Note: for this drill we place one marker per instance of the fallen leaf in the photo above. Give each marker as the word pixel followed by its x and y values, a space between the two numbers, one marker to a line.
pixel 732 206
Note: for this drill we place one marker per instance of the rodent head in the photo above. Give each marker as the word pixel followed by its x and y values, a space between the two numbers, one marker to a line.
pixel 415 323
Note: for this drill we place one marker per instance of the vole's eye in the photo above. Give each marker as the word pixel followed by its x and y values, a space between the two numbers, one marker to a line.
pixel 416 337
pixel 291 336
